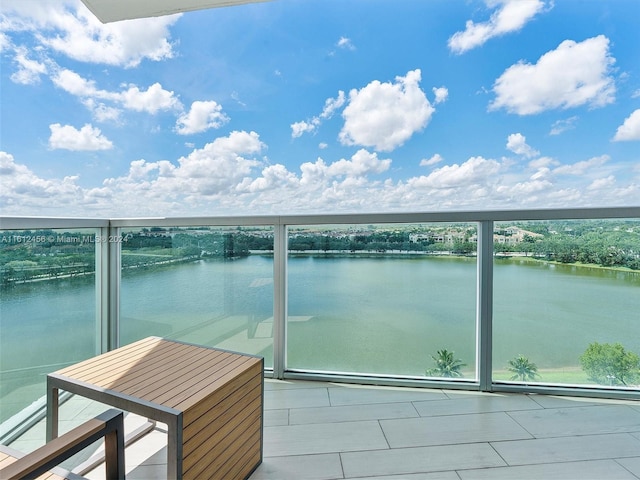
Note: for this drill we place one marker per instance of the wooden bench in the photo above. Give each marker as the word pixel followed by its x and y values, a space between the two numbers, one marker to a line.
pixel 210 399
pixel 42 463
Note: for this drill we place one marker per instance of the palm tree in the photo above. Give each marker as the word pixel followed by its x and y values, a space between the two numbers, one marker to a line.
pixel 523 369
pixel 446 365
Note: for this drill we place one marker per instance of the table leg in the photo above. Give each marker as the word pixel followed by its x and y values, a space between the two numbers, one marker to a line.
pixel 174 448
pixel 52 412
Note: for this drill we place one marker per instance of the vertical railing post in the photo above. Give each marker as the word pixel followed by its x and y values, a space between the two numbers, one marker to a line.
pixel 114 242
pixel 102 291
pixel 484 305
pixel 279 300
pixel 107 288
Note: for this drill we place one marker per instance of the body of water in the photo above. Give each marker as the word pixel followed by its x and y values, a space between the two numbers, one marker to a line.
pixel 379 315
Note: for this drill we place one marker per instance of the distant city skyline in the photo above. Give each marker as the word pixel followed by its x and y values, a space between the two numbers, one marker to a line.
pixel 320 106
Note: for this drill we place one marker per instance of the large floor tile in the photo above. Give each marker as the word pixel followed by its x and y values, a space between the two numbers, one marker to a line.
pixel 475 404
pixel 554 401
pixel 632 464
pixel 568 449
pixel 295 398
pixel 323 438
pixel 302 467
pixel 351 413
pixel 591 470
pixel 402 461
pixel 446 430
pixel 276 417
pixel 416 476
pixel 272 384
pixel 579 421
pixel 147 472
pixel 357 394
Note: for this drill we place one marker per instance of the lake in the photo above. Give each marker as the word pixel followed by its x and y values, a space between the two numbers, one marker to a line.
pixel 373 314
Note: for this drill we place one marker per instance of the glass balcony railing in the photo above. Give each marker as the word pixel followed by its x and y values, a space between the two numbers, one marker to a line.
pixel 205 285
pixel 566 306
pixel 47 310
pixel 381 299
pixel 536 300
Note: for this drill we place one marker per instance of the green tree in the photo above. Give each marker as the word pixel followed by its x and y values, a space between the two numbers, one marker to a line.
pixel 610 364
pixel 446 365
pixel 523 369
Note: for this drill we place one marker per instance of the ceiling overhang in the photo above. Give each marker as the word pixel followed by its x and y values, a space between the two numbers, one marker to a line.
pixel 116 10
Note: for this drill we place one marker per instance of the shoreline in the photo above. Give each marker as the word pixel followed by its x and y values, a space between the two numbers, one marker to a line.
pixel 519 257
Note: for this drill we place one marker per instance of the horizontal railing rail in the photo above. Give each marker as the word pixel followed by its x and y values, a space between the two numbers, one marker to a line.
pixel 26 223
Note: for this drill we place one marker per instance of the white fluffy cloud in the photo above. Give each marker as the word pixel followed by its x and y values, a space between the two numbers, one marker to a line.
pixel 441 94
pixel 385 115
pixel 226 177
pixel 476 170
pixel 300 128
pixel 68 137
pixel 345 43
pixel 509 16
pixel 29 71
pixel 574 74
pixel 215 169
pixel 583 167
pixel 517 143
pixel 434 160
pixel 152 100
pixel 70 29
pixel 21 188
pixel 310 126
pixel 201 117
pixel 561 126
pixel 630 129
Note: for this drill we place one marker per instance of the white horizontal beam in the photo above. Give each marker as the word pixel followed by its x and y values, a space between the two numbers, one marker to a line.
pixel 116 10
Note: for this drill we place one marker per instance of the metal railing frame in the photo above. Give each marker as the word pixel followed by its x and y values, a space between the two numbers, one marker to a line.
pixel 108 263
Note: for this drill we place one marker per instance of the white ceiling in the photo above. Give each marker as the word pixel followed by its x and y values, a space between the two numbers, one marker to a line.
pixel 115 10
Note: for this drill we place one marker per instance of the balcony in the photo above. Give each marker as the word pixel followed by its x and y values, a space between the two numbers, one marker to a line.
pixel 335 430
pixel 351 313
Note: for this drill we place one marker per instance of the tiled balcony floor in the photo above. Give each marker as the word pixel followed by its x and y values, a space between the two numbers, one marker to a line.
pixel 330 431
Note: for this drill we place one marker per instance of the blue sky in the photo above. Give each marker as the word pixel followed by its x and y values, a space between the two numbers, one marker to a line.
pixel 320 106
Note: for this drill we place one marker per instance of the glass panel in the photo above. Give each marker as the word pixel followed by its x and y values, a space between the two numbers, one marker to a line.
pixel 381 299
pixel 47 309
pixel 204 285
pixel 566 302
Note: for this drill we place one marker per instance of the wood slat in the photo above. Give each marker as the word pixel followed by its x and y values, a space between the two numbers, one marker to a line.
pixel 156 371
pixel 106 374
pixel 202 383
pixel 240 466
pixel 48 452
pixel 6 460
pixel 223 426
pixel 205 413
pixel 105 358
pixel 247 463
pixel 184 403
pixel 226 449
pixel 174 376
pixel 141 359
pixel 219 441
pixel 97 371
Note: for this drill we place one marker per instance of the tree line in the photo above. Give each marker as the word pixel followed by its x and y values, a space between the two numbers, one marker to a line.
pixel 41 254
pixel 608 364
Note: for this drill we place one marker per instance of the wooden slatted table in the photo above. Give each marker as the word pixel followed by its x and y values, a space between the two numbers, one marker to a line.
pixel 211 401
